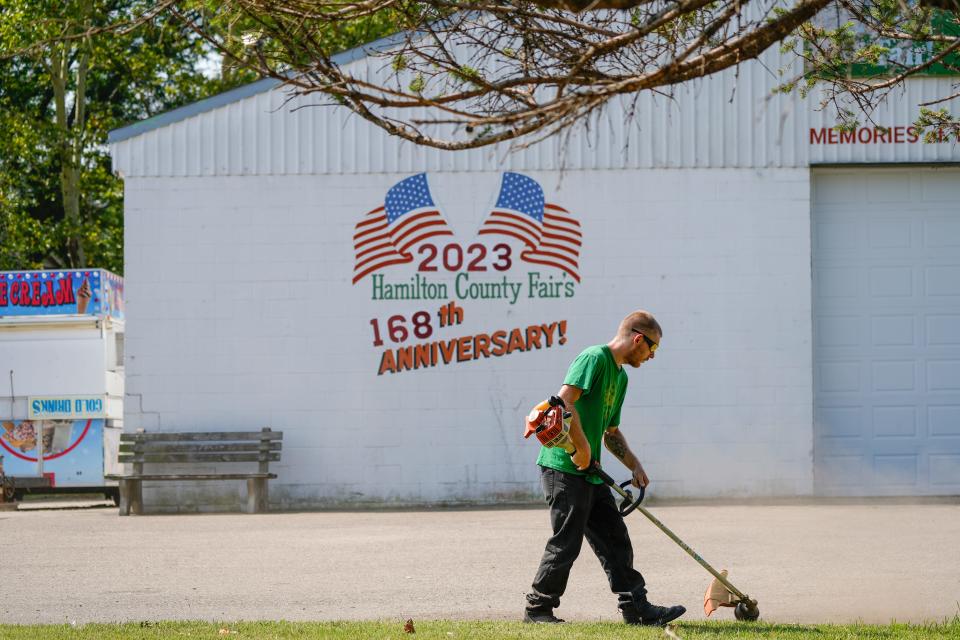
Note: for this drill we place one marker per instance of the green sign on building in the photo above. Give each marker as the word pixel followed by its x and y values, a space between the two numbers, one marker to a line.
pixel 904 54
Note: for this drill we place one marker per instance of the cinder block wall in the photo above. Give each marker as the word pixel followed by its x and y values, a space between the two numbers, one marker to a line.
pixel 241 314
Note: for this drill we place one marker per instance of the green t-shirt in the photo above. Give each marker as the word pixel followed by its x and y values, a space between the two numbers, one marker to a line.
pixel 604 386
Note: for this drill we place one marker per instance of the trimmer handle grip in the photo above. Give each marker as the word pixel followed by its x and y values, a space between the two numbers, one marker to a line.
pixel 628 504
pixel 627 507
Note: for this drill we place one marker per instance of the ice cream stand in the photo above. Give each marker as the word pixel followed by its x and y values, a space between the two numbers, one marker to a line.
pixel 61 359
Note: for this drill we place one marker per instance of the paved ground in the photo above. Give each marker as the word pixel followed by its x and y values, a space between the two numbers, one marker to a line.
pixel 823 563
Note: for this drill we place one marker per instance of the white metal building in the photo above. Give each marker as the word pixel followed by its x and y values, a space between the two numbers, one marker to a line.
pixel 808 284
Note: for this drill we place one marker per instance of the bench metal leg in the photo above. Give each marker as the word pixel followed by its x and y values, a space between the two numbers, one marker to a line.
pixel 257 495
pixel 131 497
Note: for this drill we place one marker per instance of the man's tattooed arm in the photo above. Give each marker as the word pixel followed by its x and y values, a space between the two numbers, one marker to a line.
pixel 615 444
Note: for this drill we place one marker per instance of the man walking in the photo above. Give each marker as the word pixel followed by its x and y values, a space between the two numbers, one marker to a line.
pixel 580 504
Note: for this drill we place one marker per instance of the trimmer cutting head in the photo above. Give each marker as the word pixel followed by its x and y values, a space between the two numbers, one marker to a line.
pixel 719 595
pixel 747 611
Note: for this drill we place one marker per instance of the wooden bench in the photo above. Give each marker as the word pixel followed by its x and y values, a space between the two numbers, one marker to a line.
pixel 206 448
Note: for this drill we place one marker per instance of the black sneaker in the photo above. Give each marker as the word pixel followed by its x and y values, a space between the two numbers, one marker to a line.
pixel 652 615
pixel 540 616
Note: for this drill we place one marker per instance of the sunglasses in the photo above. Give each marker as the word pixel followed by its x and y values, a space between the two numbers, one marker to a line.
pixel 650 343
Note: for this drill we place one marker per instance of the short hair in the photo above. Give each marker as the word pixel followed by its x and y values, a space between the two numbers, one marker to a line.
pixel 642 321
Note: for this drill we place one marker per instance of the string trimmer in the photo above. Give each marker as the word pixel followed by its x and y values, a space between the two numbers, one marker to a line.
pixel 551 424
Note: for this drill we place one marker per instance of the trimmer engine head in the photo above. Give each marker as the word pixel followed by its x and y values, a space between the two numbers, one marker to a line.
pixel 551 424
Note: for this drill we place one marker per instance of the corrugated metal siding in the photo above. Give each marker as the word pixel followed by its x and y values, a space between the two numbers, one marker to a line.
pixel 731 120
pixel 900 109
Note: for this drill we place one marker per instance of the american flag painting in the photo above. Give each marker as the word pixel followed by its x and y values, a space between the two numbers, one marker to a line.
pixel 386 235
pixel 551 235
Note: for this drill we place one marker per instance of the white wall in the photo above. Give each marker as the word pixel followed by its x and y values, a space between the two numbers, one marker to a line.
pixel 241 314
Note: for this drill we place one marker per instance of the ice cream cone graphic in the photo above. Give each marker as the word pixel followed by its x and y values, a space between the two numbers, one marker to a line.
pixel 83 296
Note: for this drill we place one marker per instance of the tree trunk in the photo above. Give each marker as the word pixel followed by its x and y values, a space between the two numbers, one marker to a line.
pixel 71 138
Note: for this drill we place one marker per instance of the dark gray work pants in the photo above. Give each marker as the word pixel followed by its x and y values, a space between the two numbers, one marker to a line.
pixel 579 508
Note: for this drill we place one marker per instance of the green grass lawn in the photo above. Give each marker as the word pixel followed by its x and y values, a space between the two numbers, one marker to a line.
pixel 439 630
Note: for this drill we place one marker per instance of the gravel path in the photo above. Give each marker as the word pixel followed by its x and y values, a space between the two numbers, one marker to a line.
pixel 820 563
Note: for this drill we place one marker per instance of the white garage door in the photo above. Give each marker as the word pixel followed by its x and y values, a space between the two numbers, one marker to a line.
pixel 886 269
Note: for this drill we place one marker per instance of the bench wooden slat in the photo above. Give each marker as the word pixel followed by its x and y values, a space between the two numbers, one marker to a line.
pixel 199 457
pixel 199 476
pixel 167 447
pixel 203 435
